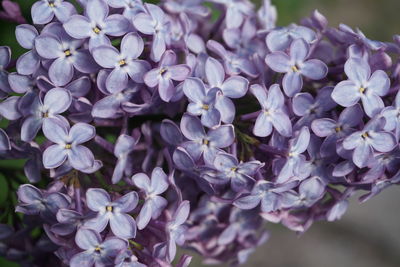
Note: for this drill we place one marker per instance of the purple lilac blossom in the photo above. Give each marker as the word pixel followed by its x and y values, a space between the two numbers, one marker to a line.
pixel 362 85
pixel 295 65
pixel 116 212
pixel 152 141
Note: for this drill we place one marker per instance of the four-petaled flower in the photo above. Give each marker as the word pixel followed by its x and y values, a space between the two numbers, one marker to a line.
pixel 371 137
pixel 68 144
pixel 361 84
pixel 154 204
pixel 205 145
pixel 295 65
pixel 125 64
pixel 165 73
pixel 55 101
pixel 122 224
pixel 97 24
pixel 96 252
pixel 273 113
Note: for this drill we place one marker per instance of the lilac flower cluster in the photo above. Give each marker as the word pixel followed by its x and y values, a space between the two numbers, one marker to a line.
pixel 151 127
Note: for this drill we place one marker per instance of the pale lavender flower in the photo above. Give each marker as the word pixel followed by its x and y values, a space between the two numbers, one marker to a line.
pixel 392 117
pixel 116 212
pixel 96 25
pixel 96 252
pixel 308 109
pixel 29 62
pixel 43 11
pixel 55 102
pixel 233 87
pixel 175 228
pixel 205 145
pixel 295 165
pixel 236 11
pixel 68 222
pixel 240 175
pixel 131 7
pixel 127 259
pixel 189 7
pixel 265 193
pixel 267 15
pixel 153 22
pixel 371 138
pixel 295 65
pixel 68 144
pixel 310 191
pixel 281 38
pixel 334 130
pixel 66 55
pixel 273 113
pixel 234 64
pixel 34 202
pixel 152 188
pixel 362 85
pixel 124 64
pixel 164 75
pixel 123 147
pixel 202 102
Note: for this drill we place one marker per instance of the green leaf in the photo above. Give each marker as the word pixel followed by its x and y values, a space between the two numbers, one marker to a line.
pixel 3 189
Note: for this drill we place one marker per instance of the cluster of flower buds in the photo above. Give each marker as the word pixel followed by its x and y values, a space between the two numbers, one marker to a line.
pixel 141 128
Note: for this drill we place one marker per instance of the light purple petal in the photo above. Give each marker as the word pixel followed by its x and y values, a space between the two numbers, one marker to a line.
pixel 30 128
pixel 278 61
pixel 382 141
pixel 26 35
pixel 61 72
pixel 372 104
pixel 97 10
pixel 116 25
pixel 106 56
pixel 235 87
pixel 144 23
pixel 41 13
pixel 87 238
pixel 57 100
pixel 81 133
pixel 117 80
pixel 292 83
pixel 54 156
pixel 263 125
pixel 123 225
pixel 379 83
pixel 346 94
pixel 80 157
pixel 314 69
pixel 299 50
pixel 97 198
pixel 358 70
pixel 362 155
pixel 132 45
pixel 48 46
pixel 192 128
pixel 222 136
pixel 127 202
pixel 214 72
pixel 55 130
pixel 194 89
pixel 226 108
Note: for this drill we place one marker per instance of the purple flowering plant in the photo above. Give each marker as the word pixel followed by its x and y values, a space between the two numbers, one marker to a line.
pixel 141 129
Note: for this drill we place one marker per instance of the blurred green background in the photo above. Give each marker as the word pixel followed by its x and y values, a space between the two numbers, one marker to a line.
pixel 369 234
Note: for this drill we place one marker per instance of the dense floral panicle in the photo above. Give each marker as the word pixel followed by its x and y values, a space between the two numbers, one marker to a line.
pixel 151 127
